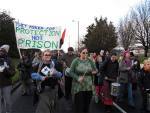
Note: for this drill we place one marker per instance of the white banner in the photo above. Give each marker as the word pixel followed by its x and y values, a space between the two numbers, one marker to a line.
pixel 38 37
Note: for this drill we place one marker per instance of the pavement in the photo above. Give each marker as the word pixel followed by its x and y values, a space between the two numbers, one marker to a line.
pixel 24 104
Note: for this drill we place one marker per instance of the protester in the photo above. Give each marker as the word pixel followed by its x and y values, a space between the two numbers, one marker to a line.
pixel 24 68
pixel 107 54
pixel 110 67
pixel 110 71
pixel 94 56
pixel 47 79
pixel 98 79
pixel 135 70
pixel 68 58
pixel 125 77
pixel 144 83
pixel 82 70
pixel 7 70
pixel 102 54
pixel 37 58
pixel 57 58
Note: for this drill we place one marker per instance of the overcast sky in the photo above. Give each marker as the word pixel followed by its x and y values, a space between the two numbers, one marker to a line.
pixel 62 12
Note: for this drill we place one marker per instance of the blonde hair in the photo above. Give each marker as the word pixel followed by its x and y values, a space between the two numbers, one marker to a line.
pixel 146 65
pixel 47 50
pixel 146 61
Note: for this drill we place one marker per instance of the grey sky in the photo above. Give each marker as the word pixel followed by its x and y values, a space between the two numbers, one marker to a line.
pixel 62 12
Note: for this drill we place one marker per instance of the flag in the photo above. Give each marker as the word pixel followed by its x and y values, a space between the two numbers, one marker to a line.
pixel 62 38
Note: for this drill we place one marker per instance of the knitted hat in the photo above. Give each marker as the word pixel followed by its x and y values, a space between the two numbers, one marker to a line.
pixel 5 47
pixel 125 52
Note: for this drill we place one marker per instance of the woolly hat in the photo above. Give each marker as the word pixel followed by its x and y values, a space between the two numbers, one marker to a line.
pixel 125 52
pixel 5 47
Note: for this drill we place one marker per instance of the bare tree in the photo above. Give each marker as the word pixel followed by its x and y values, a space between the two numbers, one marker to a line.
pixel 141 21
pixel 126 32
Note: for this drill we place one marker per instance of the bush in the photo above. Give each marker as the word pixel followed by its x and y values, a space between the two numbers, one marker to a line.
pixel 142 58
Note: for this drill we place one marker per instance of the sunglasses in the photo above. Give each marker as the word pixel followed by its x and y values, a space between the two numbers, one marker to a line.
pixel 84 52
pixel 47 55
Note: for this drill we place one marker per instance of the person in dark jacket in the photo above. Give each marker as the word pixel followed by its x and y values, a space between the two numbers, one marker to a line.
pixel 135 70
pixel 110 67
pixel 7 70
pixel 144 83
pixel 68 58
pixel 110 71
pixel 24 68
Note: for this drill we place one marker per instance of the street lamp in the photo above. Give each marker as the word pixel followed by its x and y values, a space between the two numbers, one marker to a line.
pixel 78 31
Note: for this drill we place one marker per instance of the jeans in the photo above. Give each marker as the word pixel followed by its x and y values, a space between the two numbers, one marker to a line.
pixel 5 94
pixel 130 93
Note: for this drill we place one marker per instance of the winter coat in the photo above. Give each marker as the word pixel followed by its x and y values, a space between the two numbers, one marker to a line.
pixel 7 72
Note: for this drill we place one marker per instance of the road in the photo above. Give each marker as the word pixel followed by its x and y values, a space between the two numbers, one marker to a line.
pixel 23 104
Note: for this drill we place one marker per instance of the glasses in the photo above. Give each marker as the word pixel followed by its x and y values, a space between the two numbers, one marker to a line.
pixel 84 52
pixel 47 55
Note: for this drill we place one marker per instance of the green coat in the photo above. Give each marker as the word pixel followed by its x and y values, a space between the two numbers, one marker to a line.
pixel 79 68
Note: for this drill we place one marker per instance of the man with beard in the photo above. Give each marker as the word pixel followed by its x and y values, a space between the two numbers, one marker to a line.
pixel 6 72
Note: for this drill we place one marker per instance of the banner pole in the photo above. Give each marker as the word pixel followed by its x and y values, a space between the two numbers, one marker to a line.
pixel 16 41
pixel 19 53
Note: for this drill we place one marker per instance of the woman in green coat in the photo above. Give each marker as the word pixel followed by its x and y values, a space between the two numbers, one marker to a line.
pixel 82 69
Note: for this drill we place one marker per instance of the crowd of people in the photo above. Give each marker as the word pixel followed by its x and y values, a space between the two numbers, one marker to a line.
pixel 77 77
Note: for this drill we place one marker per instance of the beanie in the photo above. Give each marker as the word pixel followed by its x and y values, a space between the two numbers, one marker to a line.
pixel 5 47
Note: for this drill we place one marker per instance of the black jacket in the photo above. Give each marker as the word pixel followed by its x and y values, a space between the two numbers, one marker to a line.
pixel 144 80
pixel 7 73
pixel 110 69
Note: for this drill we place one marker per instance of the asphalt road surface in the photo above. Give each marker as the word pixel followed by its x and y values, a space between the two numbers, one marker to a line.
pixel 24 104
